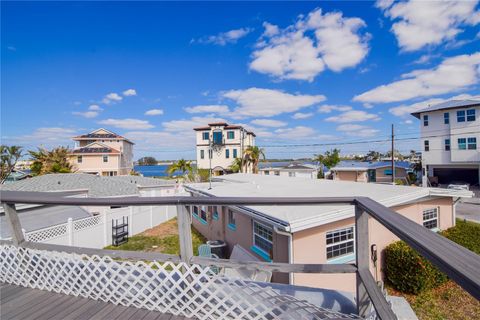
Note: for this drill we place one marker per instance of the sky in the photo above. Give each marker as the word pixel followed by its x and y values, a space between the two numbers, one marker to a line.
pixel 304 76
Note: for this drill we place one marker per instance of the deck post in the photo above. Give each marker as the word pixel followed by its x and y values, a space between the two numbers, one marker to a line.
pixel 184 234
pixel 70 231
pixel 14 223
pixel 362 255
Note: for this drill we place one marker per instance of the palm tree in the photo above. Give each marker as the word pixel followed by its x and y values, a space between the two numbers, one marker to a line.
pixel 253 155
pixel 181 165
pixel 9 156
pixel 54 161
pixel 236 165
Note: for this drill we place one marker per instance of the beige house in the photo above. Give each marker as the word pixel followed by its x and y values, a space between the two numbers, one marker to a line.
pixel 313 234
pixel 218 144
pixel 102 152
pixel 370 171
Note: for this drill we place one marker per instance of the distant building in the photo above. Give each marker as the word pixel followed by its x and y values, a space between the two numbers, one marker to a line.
pixel 450 133
pixel 102 152
pixel 222 143
pixel 292 170
pixel 370 171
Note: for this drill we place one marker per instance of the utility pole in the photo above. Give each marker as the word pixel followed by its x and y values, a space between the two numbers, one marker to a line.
pixel 393 156
pixel 210 154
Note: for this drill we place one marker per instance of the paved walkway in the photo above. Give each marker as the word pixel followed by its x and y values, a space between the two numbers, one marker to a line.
pixel 25 303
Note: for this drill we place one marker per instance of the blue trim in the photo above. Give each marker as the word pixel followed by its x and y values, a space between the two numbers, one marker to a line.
pixel 435 229
pixel 343 259
pixel 199 219
pixel 215 216
pixel 265 256
pixel 232 227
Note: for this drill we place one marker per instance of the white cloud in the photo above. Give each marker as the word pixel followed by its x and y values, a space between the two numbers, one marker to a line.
pixel 327 108
pixel 132 124
pixel 256 102
pixel 112 97
pixel 295 133
pixel 453 74
pixel 269 123
pixel 94 107
pixel 224 38
pixel 426 23
pixel 130 92
pixel 408 121
pixel 404 110
pixel 46 137
pixel 187 125
pixel 154 112
pixel 208 109
pixel 292 53
pixel 353 116
pixel 86 114
pixel 357 130
pixel 302 115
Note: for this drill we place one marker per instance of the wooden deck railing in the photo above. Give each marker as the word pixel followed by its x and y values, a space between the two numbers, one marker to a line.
pixel 460 264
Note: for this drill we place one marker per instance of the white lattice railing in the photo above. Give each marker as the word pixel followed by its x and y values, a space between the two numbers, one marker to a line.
pixel 177 288
pixel 86 222
pixel 47 233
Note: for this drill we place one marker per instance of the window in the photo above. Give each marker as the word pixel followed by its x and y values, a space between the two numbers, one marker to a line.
pixel 203 213
pixel 471 115
pixel 340 242
pixel 214 212
pixel 235 153
pixel 462 144
pixel 291 174
pixel 217 137
pixel 387 172
pixel 231 135
pixel 79 159
pixel 446 118
pixel 267 173
pixel 202 154
pixel 426 145
pixel 472 143
pixel 200 214
pixel 205 135
pixel 231 220
pixel 447 144
pixel 277 173
pixel 210 154
pixel 263 240
pixel 227 153
pixel 105 158
pixel 461 116
pixel 430 218
pixel 425 120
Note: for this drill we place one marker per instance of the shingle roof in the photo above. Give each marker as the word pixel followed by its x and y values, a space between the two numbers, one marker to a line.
pixel 451 104
pixel 97 186
pixel 365 165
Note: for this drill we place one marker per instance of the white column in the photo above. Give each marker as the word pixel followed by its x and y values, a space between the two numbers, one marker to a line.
pixel 130 222
pixel 151 216
pixel 70 231
pixel 105 228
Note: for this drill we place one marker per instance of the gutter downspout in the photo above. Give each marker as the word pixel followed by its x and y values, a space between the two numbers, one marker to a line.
pixel 454 209
pixel 290 249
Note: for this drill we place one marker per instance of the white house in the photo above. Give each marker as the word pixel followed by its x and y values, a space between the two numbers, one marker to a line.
pixel 450 133
pixel 292 170
pixel 224 143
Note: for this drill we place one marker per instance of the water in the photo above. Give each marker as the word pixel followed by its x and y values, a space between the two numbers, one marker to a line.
pixel 152 171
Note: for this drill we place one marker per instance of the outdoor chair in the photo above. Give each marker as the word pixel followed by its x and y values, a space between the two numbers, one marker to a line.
pixel 204 250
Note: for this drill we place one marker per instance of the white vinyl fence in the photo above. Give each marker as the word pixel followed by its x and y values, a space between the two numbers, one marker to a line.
pixel 96 231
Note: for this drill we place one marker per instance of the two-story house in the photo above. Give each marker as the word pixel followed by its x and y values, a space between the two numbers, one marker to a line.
pixel 450 134
pixel 218 144
pixel 102 152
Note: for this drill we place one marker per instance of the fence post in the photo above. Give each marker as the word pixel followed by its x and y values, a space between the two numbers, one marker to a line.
pixel 151 217
pixel 130 222
pixel 70 231
pixel 105 228
pixel 362 255
pixel 185 234
pixel 14 223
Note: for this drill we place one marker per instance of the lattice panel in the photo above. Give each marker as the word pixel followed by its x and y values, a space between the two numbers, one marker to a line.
pixel 47 233
pixel 86 223
pixel 177 288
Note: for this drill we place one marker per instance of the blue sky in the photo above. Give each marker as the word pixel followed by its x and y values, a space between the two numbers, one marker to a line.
pixel 294 73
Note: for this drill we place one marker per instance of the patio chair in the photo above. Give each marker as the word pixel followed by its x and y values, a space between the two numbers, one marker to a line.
pixel 204 250
pixel 239 253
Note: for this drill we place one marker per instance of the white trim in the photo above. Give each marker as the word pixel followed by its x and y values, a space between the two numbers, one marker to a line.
pixel 436 211
pixel 340 242
pixel 254 234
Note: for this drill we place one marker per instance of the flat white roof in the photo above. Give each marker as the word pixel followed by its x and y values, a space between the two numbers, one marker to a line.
pixel 304 217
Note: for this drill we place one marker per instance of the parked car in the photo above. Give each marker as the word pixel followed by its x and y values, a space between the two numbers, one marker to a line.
pixel 459 186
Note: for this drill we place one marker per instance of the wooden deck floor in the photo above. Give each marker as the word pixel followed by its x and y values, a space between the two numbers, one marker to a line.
pixel 25 303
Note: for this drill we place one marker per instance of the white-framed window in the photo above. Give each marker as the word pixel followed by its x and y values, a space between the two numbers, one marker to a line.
pixel 340 242
pixel 263 238
pixel 231 220
pixel 79 159
pixel 105 158
pixel 430 218
pixel 202 154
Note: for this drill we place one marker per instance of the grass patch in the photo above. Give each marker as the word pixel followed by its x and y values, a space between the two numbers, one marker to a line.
pixel 449 300
pixel 162 238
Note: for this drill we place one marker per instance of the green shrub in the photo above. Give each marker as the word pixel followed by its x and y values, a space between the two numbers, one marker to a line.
pixel 466 234
pixel 408 272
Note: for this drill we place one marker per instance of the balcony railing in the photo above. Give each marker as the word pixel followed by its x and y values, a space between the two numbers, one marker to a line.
pixel 186 285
